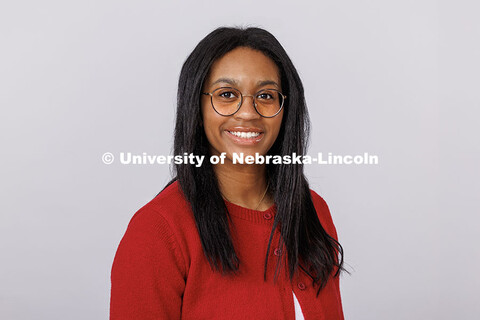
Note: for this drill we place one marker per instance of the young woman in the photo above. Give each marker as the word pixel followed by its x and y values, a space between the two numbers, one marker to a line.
pixel 233 241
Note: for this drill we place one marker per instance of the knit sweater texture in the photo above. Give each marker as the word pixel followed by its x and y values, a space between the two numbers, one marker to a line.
pixel 160 270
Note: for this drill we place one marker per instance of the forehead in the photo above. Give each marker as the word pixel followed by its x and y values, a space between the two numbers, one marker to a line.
pixel 246 66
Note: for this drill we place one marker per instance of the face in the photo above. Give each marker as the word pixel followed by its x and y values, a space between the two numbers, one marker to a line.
pixel 246 131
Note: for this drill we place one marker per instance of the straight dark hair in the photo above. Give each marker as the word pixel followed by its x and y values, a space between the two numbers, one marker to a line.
pixel 302 234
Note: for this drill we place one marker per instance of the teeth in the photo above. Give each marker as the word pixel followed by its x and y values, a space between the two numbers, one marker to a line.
pixel 246 135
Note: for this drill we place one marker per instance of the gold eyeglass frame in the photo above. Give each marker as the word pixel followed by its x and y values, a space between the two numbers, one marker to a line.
pixel 241 101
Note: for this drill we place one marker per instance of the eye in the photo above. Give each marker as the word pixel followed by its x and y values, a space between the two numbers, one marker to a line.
pixel 227 95
pixel 265 96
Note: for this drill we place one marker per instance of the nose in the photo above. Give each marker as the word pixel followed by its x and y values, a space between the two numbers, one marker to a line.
pixel 247 109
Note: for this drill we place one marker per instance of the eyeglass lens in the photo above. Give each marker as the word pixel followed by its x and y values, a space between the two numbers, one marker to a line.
pixel 226 101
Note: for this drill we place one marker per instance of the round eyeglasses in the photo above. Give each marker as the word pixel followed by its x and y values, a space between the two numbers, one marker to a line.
pixel 226 101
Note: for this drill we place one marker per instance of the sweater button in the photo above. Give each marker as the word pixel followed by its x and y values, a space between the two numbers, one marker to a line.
pixel 301 286
pixel 267 215
pixel 278 252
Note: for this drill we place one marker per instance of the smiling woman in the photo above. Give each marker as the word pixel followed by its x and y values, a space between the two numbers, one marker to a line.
pixel 202 248
pixel 233 123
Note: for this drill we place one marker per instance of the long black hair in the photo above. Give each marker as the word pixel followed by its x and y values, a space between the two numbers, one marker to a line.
pixel 302 234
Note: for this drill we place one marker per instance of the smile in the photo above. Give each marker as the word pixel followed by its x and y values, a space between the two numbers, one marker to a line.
pixel 245 137
pixel 245 134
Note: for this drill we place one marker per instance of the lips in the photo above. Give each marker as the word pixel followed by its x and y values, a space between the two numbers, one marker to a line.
pixel 245 135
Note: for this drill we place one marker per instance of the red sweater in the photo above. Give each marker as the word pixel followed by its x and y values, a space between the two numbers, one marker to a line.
pixel 160 271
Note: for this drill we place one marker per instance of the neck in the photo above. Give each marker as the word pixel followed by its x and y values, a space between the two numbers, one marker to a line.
pixel 244 185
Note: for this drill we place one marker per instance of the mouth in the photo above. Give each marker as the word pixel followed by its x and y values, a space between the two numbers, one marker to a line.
pixel 245 137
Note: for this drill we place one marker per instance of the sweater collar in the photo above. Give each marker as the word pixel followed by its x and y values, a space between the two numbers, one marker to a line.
pixel 262 217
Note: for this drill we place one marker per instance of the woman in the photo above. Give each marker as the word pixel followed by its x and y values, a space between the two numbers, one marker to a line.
pixel 233 241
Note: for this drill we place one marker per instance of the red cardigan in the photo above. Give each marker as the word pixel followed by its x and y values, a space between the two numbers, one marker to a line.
pixel 160 271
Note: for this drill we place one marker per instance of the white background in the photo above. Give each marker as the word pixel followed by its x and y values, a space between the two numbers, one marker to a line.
pixel 399 79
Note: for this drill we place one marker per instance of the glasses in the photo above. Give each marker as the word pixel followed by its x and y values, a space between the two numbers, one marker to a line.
pixel 226 101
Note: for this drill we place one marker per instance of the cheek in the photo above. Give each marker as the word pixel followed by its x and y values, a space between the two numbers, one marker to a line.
pixel 211 123
pixel 206 117
pixel 278 124
pixel 203 110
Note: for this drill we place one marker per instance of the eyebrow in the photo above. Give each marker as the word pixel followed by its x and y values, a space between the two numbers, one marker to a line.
pixel 267 82
pixel 234 82
pixel 230 81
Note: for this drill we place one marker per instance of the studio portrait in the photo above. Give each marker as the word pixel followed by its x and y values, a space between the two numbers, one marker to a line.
pixel 181 160
pixel 197 250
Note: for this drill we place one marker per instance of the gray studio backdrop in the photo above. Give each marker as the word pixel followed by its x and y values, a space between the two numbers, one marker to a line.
pixel 398 79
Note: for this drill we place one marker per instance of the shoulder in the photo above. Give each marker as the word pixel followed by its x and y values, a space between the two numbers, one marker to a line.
pixel 169 207
pixel 168 216
pixel 161 225
pixel 149 269
pixel 323 213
